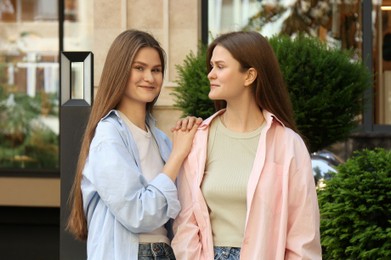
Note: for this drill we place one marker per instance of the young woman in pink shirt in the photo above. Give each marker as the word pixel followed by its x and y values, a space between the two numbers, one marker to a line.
pixel 247 190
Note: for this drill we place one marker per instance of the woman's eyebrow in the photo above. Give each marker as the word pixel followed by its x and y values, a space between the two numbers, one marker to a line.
pixel 145 64
pixel 217 61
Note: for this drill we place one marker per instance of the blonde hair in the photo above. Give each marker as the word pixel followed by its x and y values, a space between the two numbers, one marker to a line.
pixel 113 83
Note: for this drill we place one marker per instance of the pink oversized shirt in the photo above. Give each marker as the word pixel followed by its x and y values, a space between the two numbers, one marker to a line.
pixel 282 220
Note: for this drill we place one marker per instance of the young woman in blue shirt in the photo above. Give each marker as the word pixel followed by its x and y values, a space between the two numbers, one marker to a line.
pixel 124 191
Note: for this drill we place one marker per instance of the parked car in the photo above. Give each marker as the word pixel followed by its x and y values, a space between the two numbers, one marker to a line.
pixel 324 163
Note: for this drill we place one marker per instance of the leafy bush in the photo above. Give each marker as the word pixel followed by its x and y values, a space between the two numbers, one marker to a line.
pixel 193 86
pixel 326 88
pixel 24 141
pixel 325 85
pixel 355 208
pixel 43 147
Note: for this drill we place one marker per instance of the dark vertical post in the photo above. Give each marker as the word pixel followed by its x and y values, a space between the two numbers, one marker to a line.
pixel 367 37
pixel 61 17
pixel 74 113
pixel 204 22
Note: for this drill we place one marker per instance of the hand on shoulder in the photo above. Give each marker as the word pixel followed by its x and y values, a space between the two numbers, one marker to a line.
pixel 187 123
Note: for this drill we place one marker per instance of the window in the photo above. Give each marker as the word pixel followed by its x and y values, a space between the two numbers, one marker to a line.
pixel 382 61
pixel 29 84
pixel 29 77
pixel 230 15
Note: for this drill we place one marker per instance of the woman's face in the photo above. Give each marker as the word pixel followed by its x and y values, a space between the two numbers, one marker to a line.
pixel 226 79
pixel 146 77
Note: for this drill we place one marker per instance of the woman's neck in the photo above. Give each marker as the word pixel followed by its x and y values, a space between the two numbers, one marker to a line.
pixel 242 118
pixel 136 114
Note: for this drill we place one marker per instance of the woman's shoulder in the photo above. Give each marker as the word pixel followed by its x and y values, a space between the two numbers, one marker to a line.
pixel 110 127
pixel 108 124
pixel 273 123
pixel 291 134
pixel 208 121
pixel 287 137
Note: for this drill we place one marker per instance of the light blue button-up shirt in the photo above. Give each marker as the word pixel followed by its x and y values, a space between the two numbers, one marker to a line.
pixel 119 203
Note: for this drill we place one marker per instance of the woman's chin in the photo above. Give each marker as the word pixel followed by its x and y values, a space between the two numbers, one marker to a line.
pixel 213 96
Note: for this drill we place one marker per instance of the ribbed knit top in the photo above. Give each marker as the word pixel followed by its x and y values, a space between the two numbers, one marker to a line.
pixel 228 167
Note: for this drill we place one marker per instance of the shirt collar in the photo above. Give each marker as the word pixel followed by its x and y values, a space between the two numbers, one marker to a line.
pixel 269 117
pixel 150 120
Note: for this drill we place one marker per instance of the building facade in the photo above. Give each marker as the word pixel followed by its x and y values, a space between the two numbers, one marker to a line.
pixel 33 33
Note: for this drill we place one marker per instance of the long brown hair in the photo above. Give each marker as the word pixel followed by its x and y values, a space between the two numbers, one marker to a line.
pixel 113 83
pixel 252 50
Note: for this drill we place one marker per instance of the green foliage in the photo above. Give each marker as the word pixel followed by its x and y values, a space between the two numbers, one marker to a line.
pixel 43 147
pixel 25 142
pixel 355 208
pixel 326 88
pixel 17 113
pixel 193 86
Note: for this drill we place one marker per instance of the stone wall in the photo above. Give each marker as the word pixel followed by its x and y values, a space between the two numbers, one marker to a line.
pixel 359 141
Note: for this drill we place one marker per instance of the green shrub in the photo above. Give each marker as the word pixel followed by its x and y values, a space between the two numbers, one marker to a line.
pixel 355 208
pixel 193 86
pixel 22 143
pixel 325 85
pixel 326 88
pixel 42 145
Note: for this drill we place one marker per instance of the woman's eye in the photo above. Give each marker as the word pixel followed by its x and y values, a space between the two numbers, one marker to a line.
pixel 157 70
pixel 218 66
pixel 139 68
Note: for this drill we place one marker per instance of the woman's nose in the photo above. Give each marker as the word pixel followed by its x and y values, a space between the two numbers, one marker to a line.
pixel 211 74
pixel 148 76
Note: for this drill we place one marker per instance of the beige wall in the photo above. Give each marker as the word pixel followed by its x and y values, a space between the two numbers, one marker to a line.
pixel 175 23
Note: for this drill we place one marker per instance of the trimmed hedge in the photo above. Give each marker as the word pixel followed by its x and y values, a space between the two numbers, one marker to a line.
pixel 355 208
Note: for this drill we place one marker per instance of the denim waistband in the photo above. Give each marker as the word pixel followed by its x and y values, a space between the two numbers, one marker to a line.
pixel 155 251
pixel 227 253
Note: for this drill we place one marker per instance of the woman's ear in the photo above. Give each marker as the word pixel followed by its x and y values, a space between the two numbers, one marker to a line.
pixel 250 77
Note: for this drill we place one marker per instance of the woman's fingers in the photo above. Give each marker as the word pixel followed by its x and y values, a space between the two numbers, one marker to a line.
pixel 187 123
pixel 183 140
pixel 191 122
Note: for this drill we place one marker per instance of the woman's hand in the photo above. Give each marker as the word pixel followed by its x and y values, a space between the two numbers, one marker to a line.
pixel 182 139
pixel 187 123
pixel 183 134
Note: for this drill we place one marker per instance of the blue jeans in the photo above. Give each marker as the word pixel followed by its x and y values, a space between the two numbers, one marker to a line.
pixel 155 251
pixel 226 253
